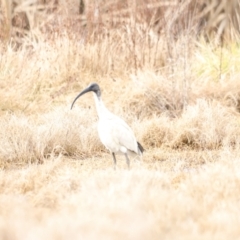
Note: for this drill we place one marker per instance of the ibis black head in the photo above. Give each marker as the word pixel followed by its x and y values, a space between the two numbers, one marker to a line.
pixel 93 87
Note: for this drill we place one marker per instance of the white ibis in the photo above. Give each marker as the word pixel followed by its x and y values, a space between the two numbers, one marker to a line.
pixel 114 133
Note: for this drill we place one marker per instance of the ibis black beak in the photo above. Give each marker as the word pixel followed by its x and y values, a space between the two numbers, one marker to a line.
pixel 80 94
pixel 93 87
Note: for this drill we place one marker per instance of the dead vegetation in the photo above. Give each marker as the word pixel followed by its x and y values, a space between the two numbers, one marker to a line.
pixel 170 69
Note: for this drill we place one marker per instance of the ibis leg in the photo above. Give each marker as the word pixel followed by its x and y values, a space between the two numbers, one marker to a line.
pixel 114 161
pixel 128 161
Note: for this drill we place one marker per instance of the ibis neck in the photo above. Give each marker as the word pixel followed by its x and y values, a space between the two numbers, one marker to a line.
pixel 101 109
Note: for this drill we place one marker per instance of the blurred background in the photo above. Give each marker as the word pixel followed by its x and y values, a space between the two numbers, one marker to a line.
pixel 171 18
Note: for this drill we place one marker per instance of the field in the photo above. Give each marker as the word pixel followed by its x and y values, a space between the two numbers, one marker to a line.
pixel 181 96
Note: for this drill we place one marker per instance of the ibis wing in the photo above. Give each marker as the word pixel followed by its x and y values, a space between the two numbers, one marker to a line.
pixel 124 135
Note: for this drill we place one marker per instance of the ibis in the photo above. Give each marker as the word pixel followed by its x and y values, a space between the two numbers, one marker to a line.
pixel 114 133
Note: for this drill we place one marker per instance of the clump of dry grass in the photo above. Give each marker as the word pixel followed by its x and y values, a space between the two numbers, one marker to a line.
pixel 156 92
pixel 61 132
pixel 78 135
pixel 207 125
pixel 204 125
pixel 17 140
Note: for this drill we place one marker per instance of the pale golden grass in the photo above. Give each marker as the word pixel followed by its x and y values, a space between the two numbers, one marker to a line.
pixel 62 199
pixel 181 100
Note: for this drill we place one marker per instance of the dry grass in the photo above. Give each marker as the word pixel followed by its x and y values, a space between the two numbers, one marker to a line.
pixel 72 199
pixel 182 99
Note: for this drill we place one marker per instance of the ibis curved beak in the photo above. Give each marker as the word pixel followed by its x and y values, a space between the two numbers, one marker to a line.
pixel 80 94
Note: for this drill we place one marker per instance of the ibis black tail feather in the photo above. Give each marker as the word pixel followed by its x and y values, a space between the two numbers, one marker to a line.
pixel 140 147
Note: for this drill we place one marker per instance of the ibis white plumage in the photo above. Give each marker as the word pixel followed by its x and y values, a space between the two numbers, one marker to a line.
pixel 114 133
